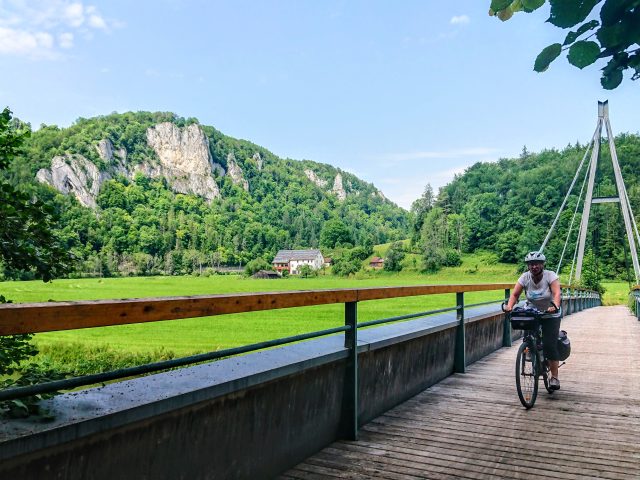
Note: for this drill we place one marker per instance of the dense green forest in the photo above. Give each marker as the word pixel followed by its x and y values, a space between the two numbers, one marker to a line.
pixel 141 226
pixel 506 207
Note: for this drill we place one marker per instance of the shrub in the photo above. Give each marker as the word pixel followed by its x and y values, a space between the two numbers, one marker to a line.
pixel 452 258
pixel 256 265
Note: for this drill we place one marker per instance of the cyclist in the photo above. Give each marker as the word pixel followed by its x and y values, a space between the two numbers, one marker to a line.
pixel 541 288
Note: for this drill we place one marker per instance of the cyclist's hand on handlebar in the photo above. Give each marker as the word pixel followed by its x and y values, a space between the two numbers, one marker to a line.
pixel 506 308
pixel 553 308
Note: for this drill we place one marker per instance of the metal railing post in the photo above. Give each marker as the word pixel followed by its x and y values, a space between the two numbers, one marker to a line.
pixel 580 306
pixel 459 364
pixel 568 312
pixel 350 411
pixel 506 328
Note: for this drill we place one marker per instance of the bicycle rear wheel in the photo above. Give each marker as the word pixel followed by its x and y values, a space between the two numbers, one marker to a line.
pixel 526 376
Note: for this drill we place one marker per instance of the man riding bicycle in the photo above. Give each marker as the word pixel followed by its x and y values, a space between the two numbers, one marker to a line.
pixel 542 287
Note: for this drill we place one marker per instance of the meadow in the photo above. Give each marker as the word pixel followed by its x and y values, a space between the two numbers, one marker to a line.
pixel 88 350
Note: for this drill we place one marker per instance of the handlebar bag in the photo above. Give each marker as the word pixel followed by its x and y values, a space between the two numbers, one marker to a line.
pixel 525 318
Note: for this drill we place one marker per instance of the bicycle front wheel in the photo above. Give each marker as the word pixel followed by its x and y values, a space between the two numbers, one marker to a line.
pixel 526 376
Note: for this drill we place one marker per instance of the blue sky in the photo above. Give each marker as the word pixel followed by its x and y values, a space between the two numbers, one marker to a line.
pixel 399 93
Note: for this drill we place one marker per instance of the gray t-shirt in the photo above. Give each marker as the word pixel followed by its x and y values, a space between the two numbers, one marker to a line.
pixel 538 294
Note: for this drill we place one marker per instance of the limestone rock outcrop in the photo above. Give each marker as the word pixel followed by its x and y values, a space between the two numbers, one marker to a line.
pixel 115 159
pixel 235 172
pixel 311 175
pixel 338 190
pixel 184 157
pixel 74 174
pixel 259 161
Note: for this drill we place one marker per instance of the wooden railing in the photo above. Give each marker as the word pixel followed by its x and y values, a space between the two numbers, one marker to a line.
pixel 51 316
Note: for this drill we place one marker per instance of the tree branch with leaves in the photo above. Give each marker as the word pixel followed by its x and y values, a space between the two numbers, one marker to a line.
pixel 27 242
pixel 611 32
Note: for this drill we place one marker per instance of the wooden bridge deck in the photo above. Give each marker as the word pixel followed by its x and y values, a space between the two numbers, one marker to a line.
pixel 473 426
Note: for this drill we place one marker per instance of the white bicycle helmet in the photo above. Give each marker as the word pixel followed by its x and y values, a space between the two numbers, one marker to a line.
pixel 535 257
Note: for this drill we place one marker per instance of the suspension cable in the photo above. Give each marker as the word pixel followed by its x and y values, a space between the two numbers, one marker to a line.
pixel 566 197
pixel 633 218
pixel 573 218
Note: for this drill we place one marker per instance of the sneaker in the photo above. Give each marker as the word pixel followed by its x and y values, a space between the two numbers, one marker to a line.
pixel 554 383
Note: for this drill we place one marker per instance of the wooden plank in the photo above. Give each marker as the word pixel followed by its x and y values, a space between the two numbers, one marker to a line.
pixel 473 426
pixel 52 316
pixel 45 317
pixel 376 293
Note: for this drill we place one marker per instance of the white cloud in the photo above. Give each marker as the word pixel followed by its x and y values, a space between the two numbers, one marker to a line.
pixel 65 40
pixel 21 42
pixel 74 14
pixel 29 28
pixel 460 20
pixel 96 21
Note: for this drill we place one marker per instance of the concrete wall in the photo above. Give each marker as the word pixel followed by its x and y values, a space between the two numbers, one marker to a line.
pixel 244 417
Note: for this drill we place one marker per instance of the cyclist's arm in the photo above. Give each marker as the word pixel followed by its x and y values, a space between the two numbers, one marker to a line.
pixel 513 298
pixel 556 294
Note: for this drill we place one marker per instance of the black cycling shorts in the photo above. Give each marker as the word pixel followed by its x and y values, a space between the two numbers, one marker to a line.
pixel 550 332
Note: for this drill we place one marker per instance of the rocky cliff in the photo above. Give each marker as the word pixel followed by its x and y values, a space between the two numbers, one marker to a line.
pixel 191 158
pixel 75 175
pixel 183 159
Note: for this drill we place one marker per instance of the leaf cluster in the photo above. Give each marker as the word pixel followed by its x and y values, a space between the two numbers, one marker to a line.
pixel 27 242
pixel 613 36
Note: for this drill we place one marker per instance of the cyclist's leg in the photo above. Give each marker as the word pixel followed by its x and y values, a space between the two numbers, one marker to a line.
pixel 550 331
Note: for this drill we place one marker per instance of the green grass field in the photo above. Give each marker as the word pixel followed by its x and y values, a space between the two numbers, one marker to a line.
pixel 182 337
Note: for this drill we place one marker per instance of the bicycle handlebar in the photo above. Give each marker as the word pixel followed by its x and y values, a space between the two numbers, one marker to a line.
pixel 557 309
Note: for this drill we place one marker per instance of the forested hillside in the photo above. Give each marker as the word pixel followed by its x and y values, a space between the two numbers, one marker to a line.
pixel 507 208
pixel 140 223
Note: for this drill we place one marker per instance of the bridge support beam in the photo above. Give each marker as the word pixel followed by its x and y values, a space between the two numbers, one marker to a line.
pixel 506 329
pixel 460 362
pixel 350 408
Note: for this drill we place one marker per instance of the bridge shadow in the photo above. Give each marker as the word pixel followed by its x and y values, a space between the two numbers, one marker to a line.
pixel 473 426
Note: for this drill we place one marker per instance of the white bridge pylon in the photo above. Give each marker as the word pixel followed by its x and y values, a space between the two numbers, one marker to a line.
pixel 622 198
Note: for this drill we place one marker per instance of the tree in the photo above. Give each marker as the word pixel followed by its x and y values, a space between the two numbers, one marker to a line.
pixel 307 271
pixel 419 209
pixel 395 255
pixel 335 233
pixel 26 243
pixel 614 35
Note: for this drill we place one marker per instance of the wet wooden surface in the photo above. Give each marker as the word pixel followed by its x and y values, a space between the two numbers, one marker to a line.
pixel 473 426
